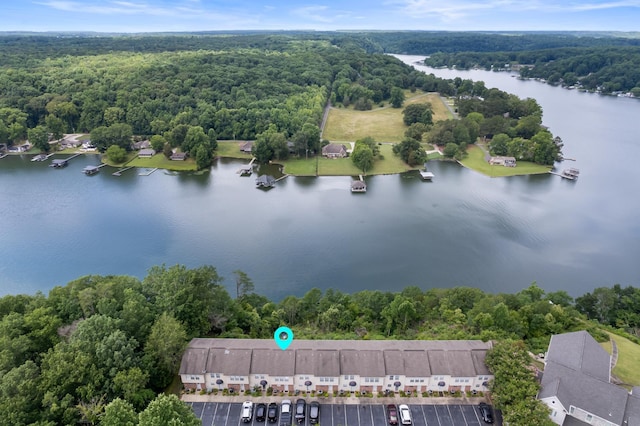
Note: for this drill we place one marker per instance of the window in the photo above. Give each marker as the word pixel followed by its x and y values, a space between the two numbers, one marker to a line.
pixel 349 377
pixel 194 378
pixel 394 377
pixel 215 375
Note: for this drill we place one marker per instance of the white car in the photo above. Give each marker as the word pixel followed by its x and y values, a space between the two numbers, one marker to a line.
pixel 247 411
pixel 405 414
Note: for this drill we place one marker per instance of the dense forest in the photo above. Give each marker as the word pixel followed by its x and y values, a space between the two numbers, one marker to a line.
pixel 270 88
pixel 102 346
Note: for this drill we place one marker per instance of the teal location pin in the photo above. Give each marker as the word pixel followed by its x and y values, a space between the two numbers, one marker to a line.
pixel 283 337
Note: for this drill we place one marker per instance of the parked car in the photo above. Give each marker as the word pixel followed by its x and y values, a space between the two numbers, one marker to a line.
pixel 392 414
pixel 485 412
pixel 247 411
pixel 261 412
pixel 301 408
pixel 272 412
pixel 314 412
pixel 285 412
pixel 405 414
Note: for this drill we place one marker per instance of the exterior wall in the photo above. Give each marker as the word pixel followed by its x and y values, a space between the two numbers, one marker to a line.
pixel 558 412
pixel 300 379
pixel 348 378
pixel 435 379
pixel 477 383
pixel 391 379
pixel 255 379
pixel 587 417
pixel 192 381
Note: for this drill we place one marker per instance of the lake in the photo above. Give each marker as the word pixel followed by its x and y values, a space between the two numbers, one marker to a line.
pixel 463 229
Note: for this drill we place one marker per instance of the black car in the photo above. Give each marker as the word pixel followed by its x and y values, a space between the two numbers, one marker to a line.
pixel 314 412
pixel 261 412
pixel 272 412
pixel 485 412
pixel 301 408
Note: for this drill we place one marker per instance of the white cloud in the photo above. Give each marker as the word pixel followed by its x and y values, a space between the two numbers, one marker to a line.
pixel 313 13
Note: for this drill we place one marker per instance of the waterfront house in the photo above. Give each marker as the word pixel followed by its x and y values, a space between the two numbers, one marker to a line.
pixel 502 161
pixel 576 384
pixel 334 150
pixel 146 153
pixel 178 156
pixel 336 365
pixel 145 144
pixel 246 147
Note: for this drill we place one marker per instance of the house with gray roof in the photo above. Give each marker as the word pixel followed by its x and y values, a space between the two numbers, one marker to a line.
pixel 576 384
pixel 334 150
pixel 336 365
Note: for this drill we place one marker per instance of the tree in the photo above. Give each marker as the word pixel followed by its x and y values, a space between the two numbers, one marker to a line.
pixel 362 157
pixel 39 138
pixel 157 142
pixel 119 413
pixel 498 144
pixel 194 137
pixel 116 154
pixel 55 126
pixel 450 150
pixel 168 410
pixel 418 113
pixel 410 151
pixel 118 134
pixel 397 97
pixel 416 130
pixel 203 156
pixel 163 350
pixel 244 285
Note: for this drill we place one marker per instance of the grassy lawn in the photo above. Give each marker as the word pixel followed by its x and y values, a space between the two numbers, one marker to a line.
pixel 384 124
pixel 231 149
pixel 391 164
pixel 475 161
pixel 161 162
pixel 626 368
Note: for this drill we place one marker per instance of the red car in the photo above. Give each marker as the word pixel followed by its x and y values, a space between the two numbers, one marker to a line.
pixel 392 414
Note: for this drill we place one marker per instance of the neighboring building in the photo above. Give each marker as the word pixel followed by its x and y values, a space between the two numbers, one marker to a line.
pixel 246 147
pixel 142 144
pixel 358 186
pixel 336 365
pixel 146 153
pixel 503 161
pixel 178 156
pixel 576 384
pixel 334 150
pixel 265 181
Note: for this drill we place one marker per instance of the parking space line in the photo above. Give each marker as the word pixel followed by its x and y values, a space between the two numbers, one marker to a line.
pixel 331 414
pixel 437 416
pixel 424 416
pixel 227 417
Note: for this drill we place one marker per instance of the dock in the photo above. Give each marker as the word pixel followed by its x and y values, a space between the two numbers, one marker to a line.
pixel 359 186
pixel 248 169
pixel 41 157
pixel 119 172
pixel 282 177
pixel 426 175
pixel 570 174
pixel 92 170
pixel 4 154
pixel 148 173
pixel 63 162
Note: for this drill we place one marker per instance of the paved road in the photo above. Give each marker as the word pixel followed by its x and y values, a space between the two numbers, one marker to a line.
pixel 228 414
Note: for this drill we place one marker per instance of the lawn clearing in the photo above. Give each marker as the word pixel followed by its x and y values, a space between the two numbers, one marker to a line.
pixel 231 149
pixel 475 161
pixel 626 368
pixel 161 162
pixel 384 124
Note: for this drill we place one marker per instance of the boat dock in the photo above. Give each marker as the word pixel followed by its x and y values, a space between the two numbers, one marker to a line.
pixel 92 170
pixel 58 164
pixel 41 157
pixel 119 172
pixel 148 173
pixel 570 174
pixel 248 169
pixel 4 154
pixel 425 175
pixel 359 185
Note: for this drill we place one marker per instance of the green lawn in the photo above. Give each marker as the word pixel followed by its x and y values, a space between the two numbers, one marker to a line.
pixel 390 164
pixel 161 162
pixel 626 368
pixel 475 161
pixel 384 124
pixel 231 149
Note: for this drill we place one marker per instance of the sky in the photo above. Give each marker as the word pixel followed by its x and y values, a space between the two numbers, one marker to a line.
pixel 219 15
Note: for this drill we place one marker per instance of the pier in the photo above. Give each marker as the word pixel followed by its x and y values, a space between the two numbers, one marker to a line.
pixel 119 172
pixel 41 157
pixel 570 174
pixel 58 164
pixel 148 173
pixel 248 169
pixel 2 155
pixel 92 170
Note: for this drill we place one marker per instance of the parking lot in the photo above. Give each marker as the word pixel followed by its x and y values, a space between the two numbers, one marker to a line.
pixel 228 414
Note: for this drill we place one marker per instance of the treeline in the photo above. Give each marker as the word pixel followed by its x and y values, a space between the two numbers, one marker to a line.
pixel 605 69
pixel 102 340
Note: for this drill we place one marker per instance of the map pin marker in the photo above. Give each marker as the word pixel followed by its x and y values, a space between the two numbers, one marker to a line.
pixel 283 337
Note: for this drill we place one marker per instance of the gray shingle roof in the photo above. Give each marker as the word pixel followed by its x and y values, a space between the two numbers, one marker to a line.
pixel 416 364
pixel 194 361
pixel 394 362
pixel 366 363
pixel 327 363
pixel 274 362
pixel 579 351
pixel 572 387
pixel 232 362
pixel 632 411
